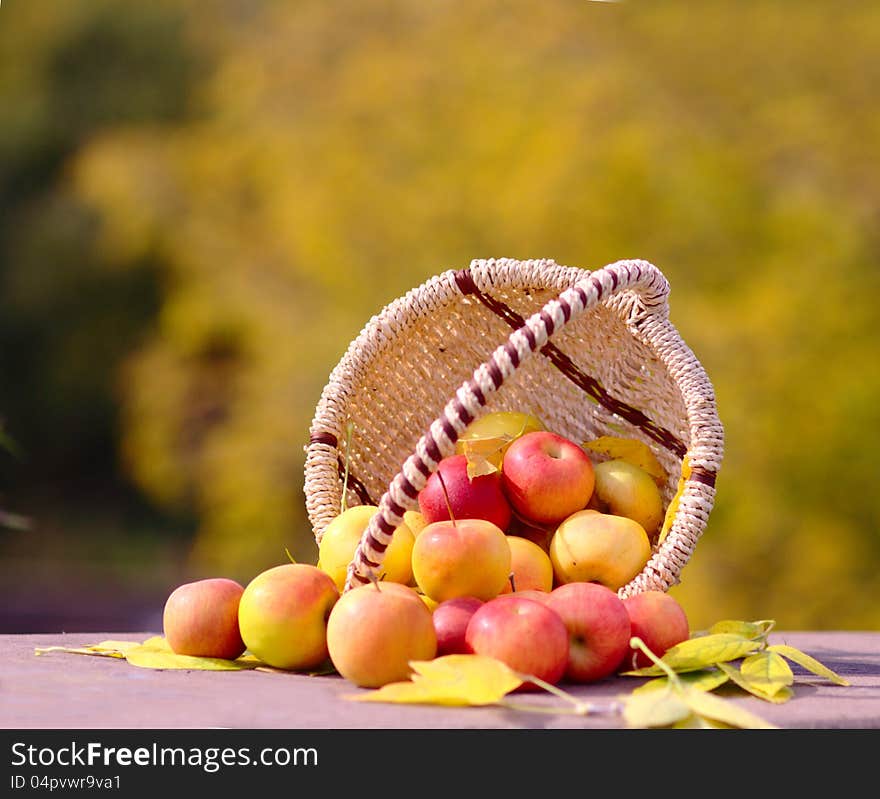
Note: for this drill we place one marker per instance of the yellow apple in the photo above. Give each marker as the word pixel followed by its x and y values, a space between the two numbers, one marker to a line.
pixel 375 630
pixel 462 557
pixel 283 615
pixel 415 520
pixel 624 489
pixel 340 540
pixel 530 566
pixel 590 546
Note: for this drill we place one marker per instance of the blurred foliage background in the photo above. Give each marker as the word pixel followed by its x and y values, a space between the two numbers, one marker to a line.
pixel 201 204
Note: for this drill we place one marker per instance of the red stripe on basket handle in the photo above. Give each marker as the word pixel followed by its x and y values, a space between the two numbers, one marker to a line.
pixel 439 440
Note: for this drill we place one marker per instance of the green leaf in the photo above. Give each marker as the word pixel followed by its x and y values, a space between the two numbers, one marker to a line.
pixel 807 662
pixel 778 695
pixel 700 653
pixel 654 709
pixel 703 680
pixel 746 629
pixel 717 709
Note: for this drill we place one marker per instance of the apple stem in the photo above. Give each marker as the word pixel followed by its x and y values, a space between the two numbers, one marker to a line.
pixel 512 582
pixel 446 497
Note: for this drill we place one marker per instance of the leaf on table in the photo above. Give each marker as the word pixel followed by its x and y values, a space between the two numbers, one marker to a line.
pixel 631 450
pixel 672 508
pixel 113 649
pixel 654 709
pixel 807 662
pixel 484 454
pixel 155 653
pixel 703 680
pixel 747 629
pixel 717 709
pixel 700 653
pixel 768 670
pixel 458 680
pixel 755 688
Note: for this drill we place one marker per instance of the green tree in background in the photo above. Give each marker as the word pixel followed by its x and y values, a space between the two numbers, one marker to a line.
pixel 341 155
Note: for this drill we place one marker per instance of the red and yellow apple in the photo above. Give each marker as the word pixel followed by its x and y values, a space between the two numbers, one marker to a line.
pixel 450 623
pixel 598 627
pixel 283 615
pixel 547 477
pixel 450 487
pixel 375 630
pixel 465 557
pixel 659 620
pixel 528 636
pixel 624 489
pixel 530 566
pixel 590 546
pixel 201 618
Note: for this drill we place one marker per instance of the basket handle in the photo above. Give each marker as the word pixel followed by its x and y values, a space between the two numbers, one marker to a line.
pixel 636 276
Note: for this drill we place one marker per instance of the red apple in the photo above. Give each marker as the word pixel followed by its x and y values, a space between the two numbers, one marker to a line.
pixel 526 635
pixel 547 477
pixel 479 498
pixel 659 620
pixel 450 623
pixel 201 619
pixel 598 627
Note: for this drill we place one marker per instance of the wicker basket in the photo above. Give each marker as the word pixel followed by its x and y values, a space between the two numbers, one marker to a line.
pixel 589 353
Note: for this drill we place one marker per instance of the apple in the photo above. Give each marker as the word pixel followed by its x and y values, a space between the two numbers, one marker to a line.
pixel 591 546
pixel 342 535
pixel 283 615
pixel 527 635
pixel 450 623
pixel 530 566
pixel 201 618
pixel 494 432
pixel 539 533
pixel 465 557
pixel 481 497
pixel 546 477
pixel 375 630
pixel 659 620
pixel 624 489
pixel 598 627
pixel 415 520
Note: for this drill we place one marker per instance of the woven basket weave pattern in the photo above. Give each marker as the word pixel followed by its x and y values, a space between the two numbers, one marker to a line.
pixel 590 353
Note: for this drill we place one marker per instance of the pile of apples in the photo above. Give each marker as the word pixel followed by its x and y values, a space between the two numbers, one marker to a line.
pixel 517 554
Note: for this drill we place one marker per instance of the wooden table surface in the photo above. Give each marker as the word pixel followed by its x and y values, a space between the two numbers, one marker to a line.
pixel 60 690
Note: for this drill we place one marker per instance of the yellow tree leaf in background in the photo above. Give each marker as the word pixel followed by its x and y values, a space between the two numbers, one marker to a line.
pixel 672 508
pixel 450 680
pixel 809 663
pixel 631 450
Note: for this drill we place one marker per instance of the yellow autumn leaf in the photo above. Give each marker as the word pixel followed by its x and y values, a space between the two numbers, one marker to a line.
pixel 654 709
pixel 631 450
pixel 768 670
pixel 113 649
pixel 747 629
pixel 755 688
pixel 700 653
pixel 715 708
pixel 484 454
pixel 672 508
pixel 703 680
pixel 458 680
pixel 808 662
